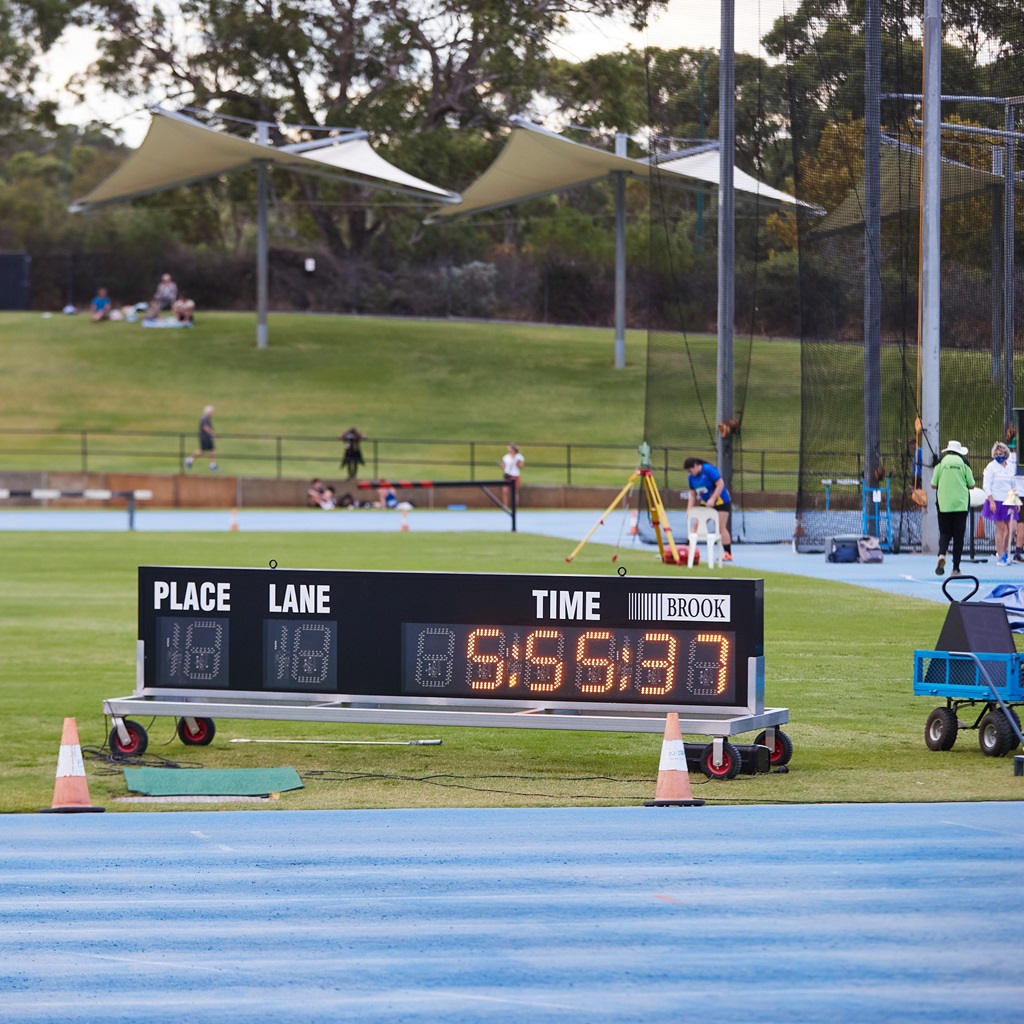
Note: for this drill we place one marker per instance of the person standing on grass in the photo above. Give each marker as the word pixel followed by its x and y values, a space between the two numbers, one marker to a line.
pixel 353 457
pixel 206 441
pixel 512 464
pixel 708 488
pixel 952 479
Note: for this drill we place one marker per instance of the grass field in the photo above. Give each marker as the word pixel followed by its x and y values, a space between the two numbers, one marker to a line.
pixel 839 657
pixel 395 379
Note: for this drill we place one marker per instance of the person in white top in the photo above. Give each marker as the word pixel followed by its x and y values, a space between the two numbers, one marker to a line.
pixel 512 463
pixel 997 482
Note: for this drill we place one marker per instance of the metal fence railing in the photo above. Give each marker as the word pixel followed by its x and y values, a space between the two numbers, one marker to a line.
pixel 305 456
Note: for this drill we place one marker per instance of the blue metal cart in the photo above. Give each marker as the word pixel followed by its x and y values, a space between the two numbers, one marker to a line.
pixel 976 669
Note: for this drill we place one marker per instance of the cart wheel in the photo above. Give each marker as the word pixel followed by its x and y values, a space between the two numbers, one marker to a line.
pixel 730 762
pixel 138 740
pixel 940 729
pixel 206 729
pixel 782 752
pixel 995 735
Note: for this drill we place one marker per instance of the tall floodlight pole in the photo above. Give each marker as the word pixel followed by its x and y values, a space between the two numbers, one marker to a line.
pixel 872 242
pixel 620 255
pixel 726 233
pixel 262 172
pixel 931 256
pixel 1008 275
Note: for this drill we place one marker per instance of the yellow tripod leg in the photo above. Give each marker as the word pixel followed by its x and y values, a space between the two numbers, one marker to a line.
pixel 607 512
pixel 659 517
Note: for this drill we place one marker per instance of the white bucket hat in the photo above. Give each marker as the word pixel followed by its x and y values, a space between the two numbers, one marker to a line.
pixel 955 446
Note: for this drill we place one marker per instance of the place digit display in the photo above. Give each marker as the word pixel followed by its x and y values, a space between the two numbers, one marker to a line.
pixel 402 638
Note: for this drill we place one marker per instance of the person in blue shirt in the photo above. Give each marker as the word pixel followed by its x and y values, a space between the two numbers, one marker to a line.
pixel 708 488
pixel 101 306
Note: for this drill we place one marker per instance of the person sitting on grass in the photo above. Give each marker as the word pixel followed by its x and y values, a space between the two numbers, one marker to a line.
pixel 101 306
pixel 320 495
pixel 184 308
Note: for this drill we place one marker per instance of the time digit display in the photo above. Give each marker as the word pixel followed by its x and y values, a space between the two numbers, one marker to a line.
pixel 568 663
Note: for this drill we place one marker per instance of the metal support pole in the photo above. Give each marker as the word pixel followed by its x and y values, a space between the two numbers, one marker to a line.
pixel 620 256
pixel 726 232
pixel 931 257
pixel 1009 311
pixel 872 242
pixel 997 269
pixel 262 171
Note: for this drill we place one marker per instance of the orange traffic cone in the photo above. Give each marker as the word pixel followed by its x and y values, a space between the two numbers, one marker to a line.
pixel 633 522
pixel 979 530
pixel 234 520
pixel 404 528
pixel 70 791
pixel 673 789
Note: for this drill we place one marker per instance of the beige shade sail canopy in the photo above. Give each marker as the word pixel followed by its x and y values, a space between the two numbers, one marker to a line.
pixel 536 162
pixel 706 167
pixel 179 151
pixel 901 188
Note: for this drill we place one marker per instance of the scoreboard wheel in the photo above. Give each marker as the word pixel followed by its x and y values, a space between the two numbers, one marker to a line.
pixel 138 740
pixel 205 730
pixel 782 752
pixel 729 765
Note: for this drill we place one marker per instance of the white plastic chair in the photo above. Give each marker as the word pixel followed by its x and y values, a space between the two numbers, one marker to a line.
pixel 703 521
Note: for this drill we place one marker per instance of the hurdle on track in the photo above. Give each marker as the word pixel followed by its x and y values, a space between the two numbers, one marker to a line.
pixel 508 508
pixel 93 494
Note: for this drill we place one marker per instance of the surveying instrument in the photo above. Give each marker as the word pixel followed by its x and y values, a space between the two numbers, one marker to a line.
pixel 659 518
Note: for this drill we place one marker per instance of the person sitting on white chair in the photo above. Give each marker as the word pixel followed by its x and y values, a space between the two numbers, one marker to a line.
pixel 708 488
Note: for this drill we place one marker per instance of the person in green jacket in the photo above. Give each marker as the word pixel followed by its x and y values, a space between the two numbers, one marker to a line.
pixel 952 479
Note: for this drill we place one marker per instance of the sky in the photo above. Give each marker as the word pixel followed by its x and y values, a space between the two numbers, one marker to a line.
pixel 690 23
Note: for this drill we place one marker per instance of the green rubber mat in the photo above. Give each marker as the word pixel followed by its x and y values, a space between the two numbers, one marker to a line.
pixel 211 781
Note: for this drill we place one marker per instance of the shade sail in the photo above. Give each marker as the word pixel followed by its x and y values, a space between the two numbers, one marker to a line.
pixel 535 162
pixel 706 167
pixel 901 188
pixel 178 151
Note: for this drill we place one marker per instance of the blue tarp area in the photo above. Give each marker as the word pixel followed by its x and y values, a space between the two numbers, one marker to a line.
pixel 1011 597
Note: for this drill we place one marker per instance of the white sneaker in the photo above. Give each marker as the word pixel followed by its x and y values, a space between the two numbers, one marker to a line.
pixel 214 466
pixel 188 462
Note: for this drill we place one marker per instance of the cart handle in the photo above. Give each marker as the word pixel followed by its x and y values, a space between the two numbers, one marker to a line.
pixel 960 579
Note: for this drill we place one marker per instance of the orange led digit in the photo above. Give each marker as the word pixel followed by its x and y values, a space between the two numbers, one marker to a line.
pixel 657 675
pixel 485 670
pixel 595 673
pixel 544 672
pixel 708 674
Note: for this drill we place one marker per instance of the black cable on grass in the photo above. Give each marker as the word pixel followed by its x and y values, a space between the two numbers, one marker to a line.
pixel 117 762
pixel 329 775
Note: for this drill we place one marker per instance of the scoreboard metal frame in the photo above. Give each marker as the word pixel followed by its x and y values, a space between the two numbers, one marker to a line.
pixel 568 652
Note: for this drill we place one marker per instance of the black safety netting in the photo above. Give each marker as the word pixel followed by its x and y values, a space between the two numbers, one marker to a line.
pixel 825 440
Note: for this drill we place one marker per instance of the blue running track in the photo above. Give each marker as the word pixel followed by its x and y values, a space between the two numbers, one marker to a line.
pixel 868 912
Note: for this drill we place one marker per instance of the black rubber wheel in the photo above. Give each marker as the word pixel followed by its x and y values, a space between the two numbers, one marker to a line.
pixel 995 735
pixel 940 729
pixel 138 740
pixel 730 762
pixel 782 752
pixel 206 729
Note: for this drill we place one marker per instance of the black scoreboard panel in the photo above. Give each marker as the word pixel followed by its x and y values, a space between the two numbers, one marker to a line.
pixel 466 637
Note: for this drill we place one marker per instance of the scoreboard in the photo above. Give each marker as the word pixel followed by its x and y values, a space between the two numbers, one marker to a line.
pixel 482 640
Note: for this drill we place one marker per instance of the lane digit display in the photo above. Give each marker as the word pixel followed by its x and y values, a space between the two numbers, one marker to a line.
pixel 473 638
